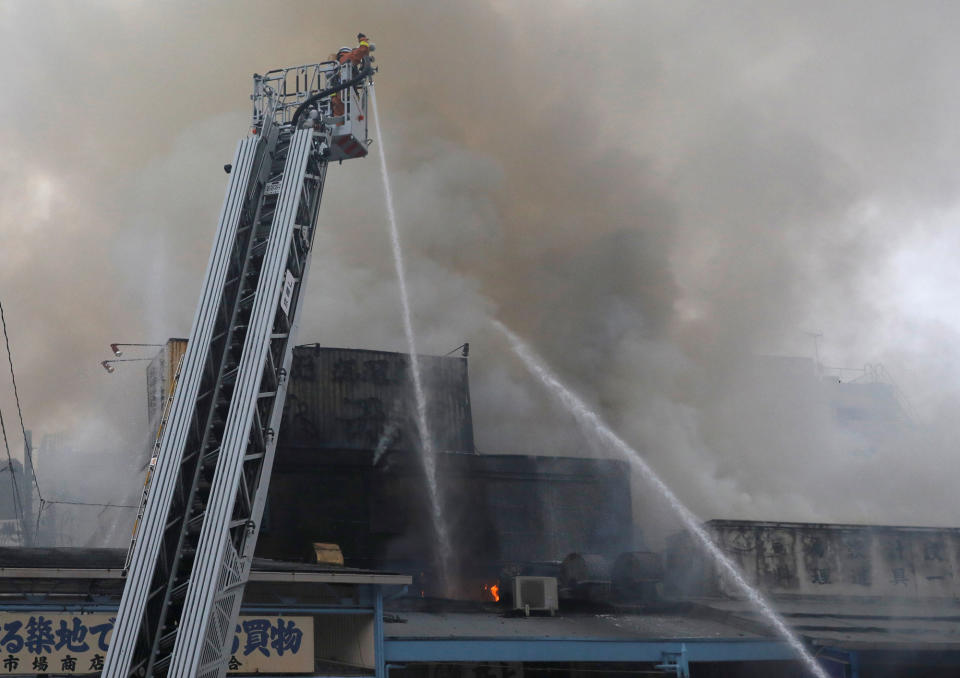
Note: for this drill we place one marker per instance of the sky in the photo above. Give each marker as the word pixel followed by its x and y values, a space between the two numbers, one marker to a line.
pixel 653 194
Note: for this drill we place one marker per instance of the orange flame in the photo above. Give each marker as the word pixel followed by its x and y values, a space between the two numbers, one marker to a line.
pixel 493 590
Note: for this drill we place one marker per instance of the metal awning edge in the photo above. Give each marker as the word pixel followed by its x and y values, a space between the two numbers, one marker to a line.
pixel 332 577
pixel 60 573
pixel 582 650
pixel 269 576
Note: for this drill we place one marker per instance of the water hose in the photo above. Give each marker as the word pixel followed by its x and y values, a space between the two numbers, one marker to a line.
pixel 330 90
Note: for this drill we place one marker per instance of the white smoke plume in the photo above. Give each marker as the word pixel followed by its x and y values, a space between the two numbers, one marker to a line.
pixel 654 195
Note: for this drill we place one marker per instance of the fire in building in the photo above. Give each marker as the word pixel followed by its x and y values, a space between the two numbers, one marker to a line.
pixel 287 525
pixel 549 576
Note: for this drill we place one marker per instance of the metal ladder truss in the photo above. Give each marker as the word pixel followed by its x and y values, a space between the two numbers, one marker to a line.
pixel 192 555
pixel 152 464
pixel 239 484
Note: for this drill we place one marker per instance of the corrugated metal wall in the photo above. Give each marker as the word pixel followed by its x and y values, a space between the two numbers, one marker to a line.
pixel 500 508
pixel 350 399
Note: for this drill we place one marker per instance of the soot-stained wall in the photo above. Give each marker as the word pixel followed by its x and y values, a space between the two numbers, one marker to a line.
pixel 347 472
pixel 499 509
pixel 352 399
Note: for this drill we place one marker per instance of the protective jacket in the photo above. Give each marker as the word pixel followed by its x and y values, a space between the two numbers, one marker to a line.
pixel 357 54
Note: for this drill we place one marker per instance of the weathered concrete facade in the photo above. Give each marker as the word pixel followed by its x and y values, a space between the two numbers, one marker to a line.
pixel 823 560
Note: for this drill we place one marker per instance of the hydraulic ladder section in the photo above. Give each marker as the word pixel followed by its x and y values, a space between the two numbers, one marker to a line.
pixel 191 556
pixel 152 463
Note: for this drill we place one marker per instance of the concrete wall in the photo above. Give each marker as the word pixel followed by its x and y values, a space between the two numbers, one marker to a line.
pixel 821 559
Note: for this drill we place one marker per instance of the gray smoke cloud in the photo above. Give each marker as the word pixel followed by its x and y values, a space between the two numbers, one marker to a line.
pixel 652 194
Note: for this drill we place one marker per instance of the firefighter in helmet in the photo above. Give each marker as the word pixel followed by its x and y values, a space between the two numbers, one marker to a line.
pixel 355 56
pixel 358 53
pixel 336 101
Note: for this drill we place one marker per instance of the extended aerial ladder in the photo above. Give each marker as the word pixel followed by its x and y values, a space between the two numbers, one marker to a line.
pixel 191 556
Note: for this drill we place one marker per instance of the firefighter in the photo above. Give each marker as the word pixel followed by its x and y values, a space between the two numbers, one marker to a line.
pixel 358 53
pixel 336 105
pixel 356 57
pixel 336 102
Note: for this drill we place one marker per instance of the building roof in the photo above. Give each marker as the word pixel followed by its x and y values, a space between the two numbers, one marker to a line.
pixel 102 563
pixel 872 527
pixel 849 624
pixel 613 636
pixel 567 626
pixel 265 569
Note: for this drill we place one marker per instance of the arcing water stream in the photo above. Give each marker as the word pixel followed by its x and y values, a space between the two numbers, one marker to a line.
pixel 591 423
pixel 427 450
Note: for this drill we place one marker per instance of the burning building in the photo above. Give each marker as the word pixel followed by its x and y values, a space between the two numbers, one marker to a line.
pixel 347 472
pixel 547 577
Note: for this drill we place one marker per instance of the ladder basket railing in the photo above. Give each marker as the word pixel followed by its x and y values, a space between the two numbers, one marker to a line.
pixel 277 93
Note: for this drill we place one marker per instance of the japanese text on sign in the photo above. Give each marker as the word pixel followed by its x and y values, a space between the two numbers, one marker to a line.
pixel 40 642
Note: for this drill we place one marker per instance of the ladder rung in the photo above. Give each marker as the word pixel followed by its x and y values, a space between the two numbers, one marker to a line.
pixel 198 491
pixel 178 593
pixel 196 522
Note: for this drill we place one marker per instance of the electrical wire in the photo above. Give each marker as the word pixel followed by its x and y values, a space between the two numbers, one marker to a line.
pixel 17 501
pixel 16 396
pixel 89 503
pixel 13 378
pixel 29 455
pixel 36 530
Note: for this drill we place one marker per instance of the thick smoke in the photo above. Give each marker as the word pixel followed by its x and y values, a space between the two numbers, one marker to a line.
pixel 653 195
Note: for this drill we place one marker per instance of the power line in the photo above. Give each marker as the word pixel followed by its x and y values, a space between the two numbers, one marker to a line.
pixel 36 529
pixel 17 501
pixel 89 503
pixel 28 453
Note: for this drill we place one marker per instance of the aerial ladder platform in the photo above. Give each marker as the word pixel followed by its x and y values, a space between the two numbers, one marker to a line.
pixel 191 554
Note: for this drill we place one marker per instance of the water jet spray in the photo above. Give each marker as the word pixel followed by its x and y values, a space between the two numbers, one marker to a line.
pixel 593 425
pixel 427 450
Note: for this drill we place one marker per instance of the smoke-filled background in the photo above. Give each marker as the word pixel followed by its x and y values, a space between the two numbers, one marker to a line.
pixel 654 195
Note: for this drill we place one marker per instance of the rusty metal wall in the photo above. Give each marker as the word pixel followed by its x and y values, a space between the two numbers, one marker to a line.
pixel 176 348
pixel 351 399
pixel 825 559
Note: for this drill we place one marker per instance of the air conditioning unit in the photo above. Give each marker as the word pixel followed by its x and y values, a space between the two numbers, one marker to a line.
pixel 535 594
